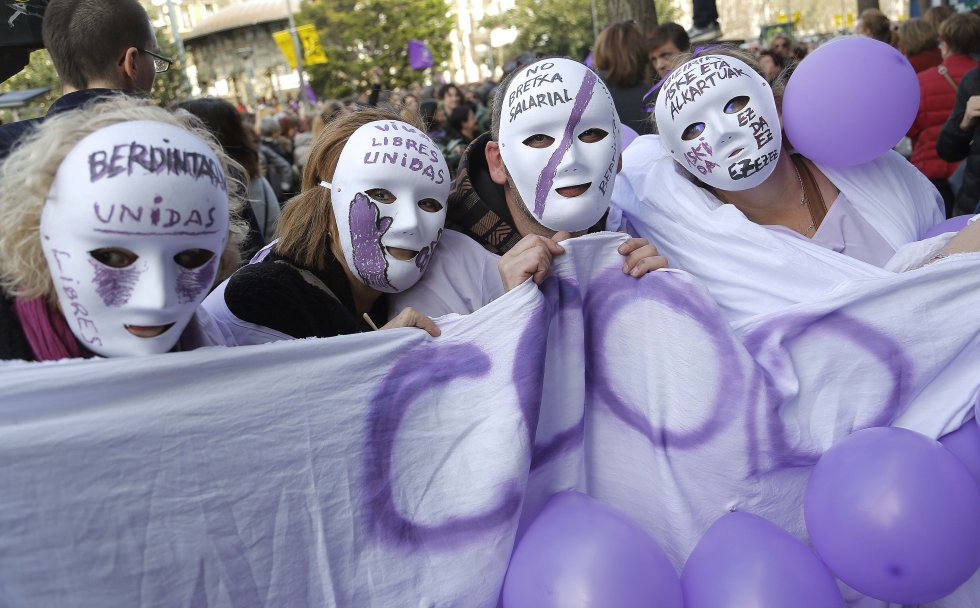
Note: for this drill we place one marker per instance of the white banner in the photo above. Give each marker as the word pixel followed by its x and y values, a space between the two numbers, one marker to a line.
pixel 394 469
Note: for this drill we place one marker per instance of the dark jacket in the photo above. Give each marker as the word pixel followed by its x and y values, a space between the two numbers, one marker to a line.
pixel 12 133
pixel 13 342
pixel 296 301
pixel 955 145
pixel 629 106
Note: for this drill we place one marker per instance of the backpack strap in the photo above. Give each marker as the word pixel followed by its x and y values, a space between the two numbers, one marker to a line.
pixel 945 74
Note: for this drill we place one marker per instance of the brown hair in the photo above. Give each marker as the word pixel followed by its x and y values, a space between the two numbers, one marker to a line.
pixel 621 52
pixel 669 32
pixel 876 24
pixel 87 37
pixel 916 36
pixel 961 33
pixel 937 14
pixel 304 226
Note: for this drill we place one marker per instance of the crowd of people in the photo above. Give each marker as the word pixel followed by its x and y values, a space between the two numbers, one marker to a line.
pixel 132 229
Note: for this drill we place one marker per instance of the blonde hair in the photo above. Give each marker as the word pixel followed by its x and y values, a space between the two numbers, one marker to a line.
pixel 621 52
pixel 27 174
pixel 303 231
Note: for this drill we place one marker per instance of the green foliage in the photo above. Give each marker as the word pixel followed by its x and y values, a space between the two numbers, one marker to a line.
pixel 554 27
pixel 39 72
pixel 376 34
pixel 168 87
pixel 560 27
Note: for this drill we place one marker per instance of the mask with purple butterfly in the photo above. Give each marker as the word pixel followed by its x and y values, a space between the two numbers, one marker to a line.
pixel 388 196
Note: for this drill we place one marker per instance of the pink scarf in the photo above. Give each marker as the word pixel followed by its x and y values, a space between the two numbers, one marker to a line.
pixel 47 331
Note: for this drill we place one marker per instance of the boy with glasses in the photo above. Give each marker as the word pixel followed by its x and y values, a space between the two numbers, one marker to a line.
pixel 99 48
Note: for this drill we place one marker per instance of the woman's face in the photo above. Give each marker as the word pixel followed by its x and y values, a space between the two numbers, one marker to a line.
pixel 470 121
pixel 718 118
pixel 388 198
pixel 132 241
pixel 451 99
pixel 769 66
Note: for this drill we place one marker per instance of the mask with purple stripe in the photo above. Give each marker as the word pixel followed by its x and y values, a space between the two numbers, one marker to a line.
pixel 560 142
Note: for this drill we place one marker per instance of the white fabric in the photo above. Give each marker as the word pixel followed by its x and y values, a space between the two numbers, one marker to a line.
pixel 133 230
pixel 388 196
pixel 718 118
pixel 750 269
pixel 394 469
pixel 462 278
pixel 560 141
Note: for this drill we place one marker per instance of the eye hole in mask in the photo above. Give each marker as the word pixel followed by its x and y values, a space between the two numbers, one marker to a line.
pixel 114 257
pixel 381 195
pixel 592 136
pixel 193 258
pixel 736 104
pixel 693 131
pixel 430 205
pixel 539 140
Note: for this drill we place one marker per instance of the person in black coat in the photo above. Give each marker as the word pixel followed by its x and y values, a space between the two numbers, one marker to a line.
pixel 960 138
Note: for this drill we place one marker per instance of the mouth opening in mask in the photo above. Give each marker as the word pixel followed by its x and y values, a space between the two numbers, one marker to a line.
pixel 148 331
pixel 403 255
pixel 573 191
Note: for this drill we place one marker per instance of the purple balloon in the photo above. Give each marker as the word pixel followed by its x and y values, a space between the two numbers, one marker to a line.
pixel 744 560
pixel 953 224
pixel 964 443
pixel 628 136
pixel 850 101
pixel 581 553
pixel 894 515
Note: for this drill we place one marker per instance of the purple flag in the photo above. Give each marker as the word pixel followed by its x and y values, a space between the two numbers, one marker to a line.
pixel 588 60
pixel 419 55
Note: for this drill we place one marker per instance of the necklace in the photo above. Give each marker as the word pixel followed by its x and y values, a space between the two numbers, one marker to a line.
pixel 805 202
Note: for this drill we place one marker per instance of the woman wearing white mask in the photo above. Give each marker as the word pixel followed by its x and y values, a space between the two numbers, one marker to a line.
pixel 724 197
pixel 116 227
pixel 364 228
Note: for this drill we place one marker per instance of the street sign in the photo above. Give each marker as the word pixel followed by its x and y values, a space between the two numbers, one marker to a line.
pixel 313 52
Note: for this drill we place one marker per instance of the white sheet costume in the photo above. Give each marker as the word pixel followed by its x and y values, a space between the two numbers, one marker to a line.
pixel 751 269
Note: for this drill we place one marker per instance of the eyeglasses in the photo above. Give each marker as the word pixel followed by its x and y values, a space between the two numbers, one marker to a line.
pixel 160 63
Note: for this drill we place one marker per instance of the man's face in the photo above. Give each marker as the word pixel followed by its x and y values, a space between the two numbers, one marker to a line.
pixel 147 73
pixel 662 57
pixel 718 118
pixel 133 229
pixel 560 142
pixel 780 46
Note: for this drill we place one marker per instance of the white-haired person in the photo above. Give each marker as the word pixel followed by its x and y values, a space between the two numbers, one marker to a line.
pixel 763 227
pixel 116 226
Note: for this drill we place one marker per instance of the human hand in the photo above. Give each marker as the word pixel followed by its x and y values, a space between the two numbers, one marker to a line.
pixel 413 318
pixel 971 114
pixel 531 257
pixel 641 257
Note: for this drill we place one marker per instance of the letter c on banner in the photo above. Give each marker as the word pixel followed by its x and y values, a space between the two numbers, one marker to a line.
pixel 414 374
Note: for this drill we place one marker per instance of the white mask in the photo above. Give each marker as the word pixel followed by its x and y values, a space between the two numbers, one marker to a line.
pixel 718 118
pixel 560 141
pixel 389 202
pixel 133 230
